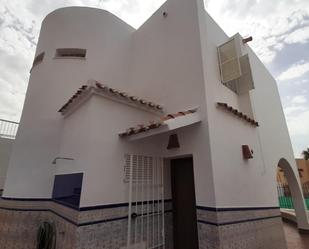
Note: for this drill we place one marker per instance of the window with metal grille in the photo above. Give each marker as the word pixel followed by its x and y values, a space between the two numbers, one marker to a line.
pixel 235 70
pixel 142 168
pixel 229 61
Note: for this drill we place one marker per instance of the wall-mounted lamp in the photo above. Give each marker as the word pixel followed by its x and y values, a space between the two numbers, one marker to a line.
pixel 173 142
pixel 62 158
pixel 246 152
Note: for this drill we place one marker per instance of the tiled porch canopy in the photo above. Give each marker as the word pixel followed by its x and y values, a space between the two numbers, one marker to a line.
pixel 164 124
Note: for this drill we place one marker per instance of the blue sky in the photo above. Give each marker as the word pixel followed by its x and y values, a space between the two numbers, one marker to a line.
pixel 280 30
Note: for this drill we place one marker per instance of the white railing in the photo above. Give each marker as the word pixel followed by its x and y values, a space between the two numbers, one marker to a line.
pixel 8 129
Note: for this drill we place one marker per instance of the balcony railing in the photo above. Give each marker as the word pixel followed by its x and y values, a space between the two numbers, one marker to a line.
pixel 8 129
pixel 285 196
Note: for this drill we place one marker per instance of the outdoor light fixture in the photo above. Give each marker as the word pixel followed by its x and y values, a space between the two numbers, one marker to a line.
pixel 246 152
pixel 173 142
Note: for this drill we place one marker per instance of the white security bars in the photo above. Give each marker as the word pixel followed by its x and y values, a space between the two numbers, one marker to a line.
pixel 144 176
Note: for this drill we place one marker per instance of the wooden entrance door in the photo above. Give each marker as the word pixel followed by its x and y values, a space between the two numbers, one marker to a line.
pixel 184 205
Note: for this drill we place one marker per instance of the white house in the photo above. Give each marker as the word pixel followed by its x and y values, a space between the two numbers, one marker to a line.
pixel 121 126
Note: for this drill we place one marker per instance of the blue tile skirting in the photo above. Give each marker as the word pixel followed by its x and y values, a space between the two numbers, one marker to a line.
pixel 233 209
pixel 79 209
pixel 25 199
pixel 213 209
pixel 114 205
pixel 39 210
pixel 72 222
pixel 125 204
pixel 237 221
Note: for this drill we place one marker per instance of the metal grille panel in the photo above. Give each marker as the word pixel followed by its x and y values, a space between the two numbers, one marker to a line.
pixel 144 176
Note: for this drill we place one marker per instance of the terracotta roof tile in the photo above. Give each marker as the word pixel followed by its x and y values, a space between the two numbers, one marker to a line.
pixel 112 91
pixel 154 124
pixel 238 113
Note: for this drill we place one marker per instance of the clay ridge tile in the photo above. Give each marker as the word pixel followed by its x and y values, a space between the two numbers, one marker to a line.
pixel 112 91
pixel 77 93
pixel 130 98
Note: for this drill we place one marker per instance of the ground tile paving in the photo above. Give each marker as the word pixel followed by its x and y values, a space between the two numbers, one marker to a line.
pixel 294 239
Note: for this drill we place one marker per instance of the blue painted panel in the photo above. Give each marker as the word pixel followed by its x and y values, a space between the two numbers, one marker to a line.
pixel 67 188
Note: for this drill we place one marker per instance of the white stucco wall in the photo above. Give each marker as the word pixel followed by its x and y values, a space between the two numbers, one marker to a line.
pixel 90 136
pixel 97 150
pixel 170 60
pixel 241 182
pixel 168 65
pixel 5 152
pixel 161 64
pixel 54 81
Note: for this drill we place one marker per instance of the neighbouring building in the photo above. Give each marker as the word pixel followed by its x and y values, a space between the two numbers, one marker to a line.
pixel 303 172
pixel 167 136
pixel 283 186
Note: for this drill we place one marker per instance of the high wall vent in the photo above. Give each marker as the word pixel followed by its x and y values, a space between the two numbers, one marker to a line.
pixel 71 53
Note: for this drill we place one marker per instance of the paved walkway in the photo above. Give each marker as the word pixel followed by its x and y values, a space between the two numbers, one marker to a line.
pixel 294 239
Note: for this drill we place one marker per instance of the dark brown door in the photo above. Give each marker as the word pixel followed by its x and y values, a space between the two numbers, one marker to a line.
pixel 184 206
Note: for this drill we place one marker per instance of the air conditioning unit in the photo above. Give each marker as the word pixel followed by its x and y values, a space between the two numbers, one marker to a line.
pixel 235 69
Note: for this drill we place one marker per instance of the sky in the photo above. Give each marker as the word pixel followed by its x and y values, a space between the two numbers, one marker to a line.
pixel 280 30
